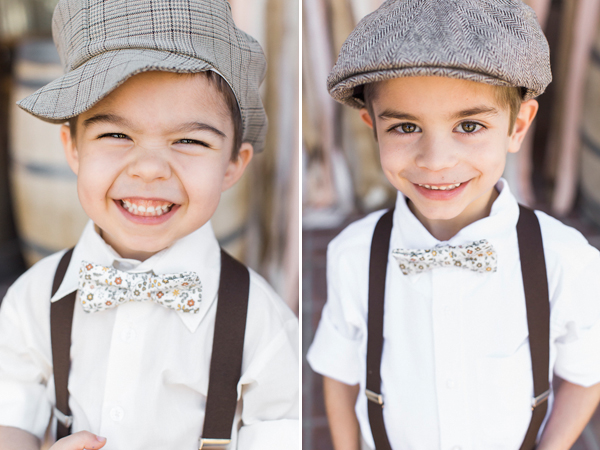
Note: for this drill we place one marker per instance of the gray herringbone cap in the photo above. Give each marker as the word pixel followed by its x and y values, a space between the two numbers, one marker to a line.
pixel 104 42
pixel 497 42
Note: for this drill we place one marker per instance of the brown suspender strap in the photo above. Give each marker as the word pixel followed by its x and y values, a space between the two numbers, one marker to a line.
pixel 61 321
pixel 227 351
pixel 535 284
pixel 533 269
pixel 226 359
pixel 380 246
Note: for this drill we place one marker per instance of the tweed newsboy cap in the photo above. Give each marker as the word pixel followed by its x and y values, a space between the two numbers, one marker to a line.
pixel 104 42
pixel 497 42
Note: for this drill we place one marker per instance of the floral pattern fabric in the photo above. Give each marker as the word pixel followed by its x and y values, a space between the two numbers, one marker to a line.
pixel 479 256
pixel 103 287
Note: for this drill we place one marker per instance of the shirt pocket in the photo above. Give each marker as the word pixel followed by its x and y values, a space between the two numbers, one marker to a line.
pixel 504 393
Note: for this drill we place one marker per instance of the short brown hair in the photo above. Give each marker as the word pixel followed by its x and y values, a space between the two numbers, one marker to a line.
pixel 509 97
pixel 231 103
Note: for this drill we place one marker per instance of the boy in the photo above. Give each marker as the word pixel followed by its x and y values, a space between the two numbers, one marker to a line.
pixel 447 318
pixel 165 114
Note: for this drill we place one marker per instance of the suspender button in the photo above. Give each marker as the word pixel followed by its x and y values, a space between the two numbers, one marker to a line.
pixel 213 444
pixel 540 399
pixel 375 398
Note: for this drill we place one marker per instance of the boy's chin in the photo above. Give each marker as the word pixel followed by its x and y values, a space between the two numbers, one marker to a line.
pixel 437 213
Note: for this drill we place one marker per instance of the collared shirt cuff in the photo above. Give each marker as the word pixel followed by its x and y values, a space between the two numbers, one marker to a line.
pixel 270 435
pixel 573 362
pixel 25 407
pixel 334 355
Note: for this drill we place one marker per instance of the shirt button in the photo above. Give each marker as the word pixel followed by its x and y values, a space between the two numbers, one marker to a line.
pixel 450 385
pixel 128 335
pixel 117 414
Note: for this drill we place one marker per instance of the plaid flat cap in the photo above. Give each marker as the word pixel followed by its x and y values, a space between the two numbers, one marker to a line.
pixel 104 42
pixel 497 42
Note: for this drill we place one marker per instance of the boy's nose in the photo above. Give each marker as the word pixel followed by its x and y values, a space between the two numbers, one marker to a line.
pixel 149 164
pixel 436 154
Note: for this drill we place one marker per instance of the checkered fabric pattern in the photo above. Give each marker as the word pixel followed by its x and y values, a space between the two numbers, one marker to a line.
pixel 498 42
pixel 103 42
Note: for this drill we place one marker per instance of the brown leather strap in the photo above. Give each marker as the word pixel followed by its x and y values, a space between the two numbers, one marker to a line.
pixel 228 348
pixel 226 360
pixel 61 321
pixel 533 269
pixel 535 284
pixel 380 246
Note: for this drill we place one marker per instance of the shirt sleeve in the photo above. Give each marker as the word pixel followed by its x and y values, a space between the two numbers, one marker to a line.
pixel 24 368
pixel 270 384
pixel 575 298
pixel 335 351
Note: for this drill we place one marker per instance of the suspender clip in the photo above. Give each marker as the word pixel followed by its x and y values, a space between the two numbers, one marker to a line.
pixel 540 399
pixel 67 421
pixel 375 398
pixel 216 444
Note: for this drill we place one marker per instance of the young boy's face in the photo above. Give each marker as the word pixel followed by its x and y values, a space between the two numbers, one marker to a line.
pixel 152 159
pixel 443 143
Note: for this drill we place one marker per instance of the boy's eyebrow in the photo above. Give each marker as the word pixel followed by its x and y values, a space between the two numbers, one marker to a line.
pixel 118 120
pixel 106 118
pixel 200 126
pixel 398 115
pixel 477 110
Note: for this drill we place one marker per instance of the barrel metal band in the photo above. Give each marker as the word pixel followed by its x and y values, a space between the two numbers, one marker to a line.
pixel 209 443
pixel 540 399
pixel 375 398
pixel 67 421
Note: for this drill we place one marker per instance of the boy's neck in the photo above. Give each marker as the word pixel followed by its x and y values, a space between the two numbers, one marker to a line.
pixel 444 229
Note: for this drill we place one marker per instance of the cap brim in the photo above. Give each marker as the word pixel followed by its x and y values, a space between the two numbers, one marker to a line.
pixel 345 91
pixel 80 89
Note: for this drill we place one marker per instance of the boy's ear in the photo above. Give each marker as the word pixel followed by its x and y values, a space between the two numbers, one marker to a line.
pixel 70 148
pixel 524 119
pixel 366 117
pixel 236 167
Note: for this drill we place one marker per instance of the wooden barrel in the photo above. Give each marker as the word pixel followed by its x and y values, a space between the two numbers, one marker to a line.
pixel 590 140
pixel 44 189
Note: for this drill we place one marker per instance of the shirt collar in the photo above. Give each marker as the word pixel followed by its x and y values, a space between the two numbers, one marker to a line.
pixel 409 233
pixel 197 252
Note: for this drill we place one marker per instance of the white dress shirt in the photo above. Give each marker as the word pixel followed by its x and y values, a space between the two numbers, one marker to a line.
pixel 456 369
pixel 139 372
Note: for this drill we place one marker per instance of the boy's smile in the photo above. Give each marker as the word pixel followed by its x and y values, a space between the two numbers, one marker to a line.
pixel 443 143
pixel 152 159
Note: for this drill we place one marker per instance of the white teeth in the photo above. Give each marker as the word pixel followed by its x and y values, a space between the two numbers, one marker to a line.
pixel 141 210
pixel 441 188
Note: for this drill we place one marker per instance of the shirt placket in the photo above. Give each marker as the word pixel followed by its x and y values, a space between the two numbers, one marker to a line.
pixel 449 359
pixel 124 368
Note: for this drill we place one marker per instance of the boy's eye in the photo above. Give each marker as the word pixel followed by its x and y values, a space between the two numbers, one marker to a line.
pixel 469 127
pixel 115 135
pixel 192 142
pixel 407 128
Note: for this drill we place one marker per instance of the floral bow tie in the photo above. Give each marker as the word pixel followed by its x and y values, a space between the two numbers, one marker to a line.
pixel 479 256
pixel 102 288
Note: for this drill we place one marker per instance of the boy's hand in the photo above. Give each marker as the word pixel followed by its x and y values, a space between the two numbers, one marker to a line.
pixel 80 441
